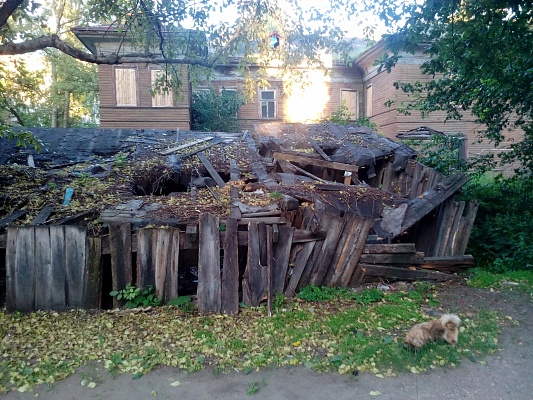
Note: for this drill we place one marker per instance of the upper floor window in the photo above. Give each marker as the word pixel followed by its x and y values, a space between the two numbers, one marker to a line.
pixel 126 86
pixel 160 99
pixel 368 110
pixel 268 104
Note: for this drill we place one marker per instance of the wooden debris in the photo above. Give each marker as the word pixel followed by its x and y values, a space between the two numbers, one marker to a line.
pixel 373 273
pixel 184 146
pixel 212 171
pixel 209 282
pixel 230 270
pixel 120 248
pixel 313 161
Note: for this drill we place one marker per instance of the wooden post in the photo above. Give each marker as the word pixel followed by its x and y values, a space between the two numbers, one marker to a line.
pixel 24 270
pixel 230 270
pixel 254 279
pixel 59 277
pixel 11 268
pixel 146 257
pixel 281 258
pixel 92 297
pixel 270 292
pixel 75 264
pixel 209 296
pixel 120 245
pixel 43 269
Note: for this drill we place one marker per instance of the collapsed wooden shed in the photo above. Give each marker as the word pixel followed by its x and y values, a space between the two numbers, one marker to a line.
pixel 224 217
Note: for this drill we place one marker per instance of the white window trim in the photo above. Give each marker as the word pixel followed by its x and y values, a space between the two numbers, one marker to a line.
pixel 275 100
pixel 369 112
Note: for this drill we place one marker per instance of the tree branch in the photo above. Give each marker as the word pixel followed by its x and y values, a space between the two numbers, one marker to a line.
pixel 8 7
pixel 53 41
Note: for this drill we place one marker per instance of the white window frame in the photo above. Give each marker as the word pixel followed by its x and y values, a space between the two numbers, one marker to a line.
pixel 369 112
pixel 125 81
pixel 160 100
pixel 265 102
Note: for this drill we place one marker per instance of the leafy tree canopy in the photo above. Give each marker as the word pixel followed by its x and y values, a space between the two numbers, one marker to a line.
pixel 482 61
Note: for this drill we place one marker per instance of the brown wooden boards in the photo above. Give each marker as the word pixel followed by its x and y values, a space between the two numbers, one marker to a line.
pixel 24 270
pixel 59 278
pixel 282 253
pixel 92 297
pixel 146 257
pixel 43 269
pixel 313 161
pixel 121 268
pixel 75 264
pixel 230 270
pixel 11 268
pixel 254 280
pixel 212 171
pixel 209 296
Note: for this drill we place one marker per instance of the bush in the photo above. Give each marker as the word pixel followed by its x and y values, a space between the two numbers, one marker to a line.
pixel 214 112
pixel 502 237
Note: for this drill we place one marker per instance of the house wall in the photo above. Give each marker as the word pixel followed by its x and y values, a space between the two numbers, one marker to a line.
pixel 144 115
pixel 391 121
pixel 313 100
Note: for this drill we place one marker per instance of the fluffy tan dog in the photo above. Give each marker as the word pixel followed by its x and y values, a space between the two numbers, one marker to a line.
pixel 446 327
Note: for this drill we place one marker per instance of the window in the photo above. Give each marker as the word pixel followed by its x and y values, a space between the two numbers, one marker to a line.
pixel 349 99
pixel 160 99
pixel 268 104
pixel 126 86
pixel 229 94
pixel 368 110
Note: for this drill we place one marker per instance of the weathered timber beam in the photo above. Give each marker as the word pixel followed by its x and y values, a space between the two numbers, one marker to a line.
pixel 389 248
pixel 184 146
pixel 379 272
pixel 314 161
pixel 426 202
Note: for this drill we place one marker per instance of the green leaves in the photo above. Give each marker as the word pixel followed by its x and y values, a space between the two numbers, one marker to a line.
pixel 136 297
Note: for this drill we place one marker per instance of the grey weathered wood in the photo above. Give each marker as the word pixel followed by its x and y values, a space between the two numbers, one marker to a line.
pixel 407 258
pixel 230 270
pixel 214 174
pixel 352 248
pixel 300 262
pixel 209 283
pixel 421 206
pixel 234 170
pixel 59 274
pixel 287 167
pixel 329 245
pixel 43 215
pixel 445 221
pixel 43 269
pixel 313 161
pixel 281 258
pixel 435 262
pixel 25 270
pixel 254 279
pixel 270 270
pixel 146 257
pixel 92 296
pixel 453 235
pixel 11 218
pixel 75 264
pixel 361 232
pixel 171 283
pixel 470 217
pixel 343 250
pixel 166 255
pixel 121 268
pixel 389 248
pixel 382 272
pixel 319 149
pixel 184 146
pixel 11 268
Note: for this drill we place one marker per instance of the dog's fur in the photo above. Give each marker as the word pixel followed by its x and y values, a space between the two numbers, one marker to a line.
pixel 446 327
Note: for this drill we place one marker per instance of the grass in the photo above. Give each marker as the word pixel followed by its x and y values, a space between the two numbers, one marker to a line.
pixel 339 330
pixel 521 280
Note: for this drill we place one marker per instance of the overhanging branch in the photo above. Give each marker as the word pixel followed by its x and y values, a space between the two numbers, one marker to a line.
pixel 53 41
pixel 7 8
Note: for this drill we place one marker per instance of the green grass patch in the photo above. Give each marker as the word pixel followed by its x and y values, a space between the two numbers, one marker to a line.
pixel 350 331
pixel 520 280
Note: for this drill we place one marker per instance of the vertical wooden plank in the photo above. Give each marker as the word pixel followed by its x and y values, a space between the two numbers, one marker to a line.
pixel 344 249
pixel 300 263
pixel 11 254
pixel 387 177
pixel 270 292
pixel 145 258
pixel 162 240
pixel 120 245
pixel 92 297
pixel 43 269
pixel 281 258
pixel 361 234
pixel 453 235
pixel 209 297
pixel 254 279
pixel 57 250
pixel 24 270
pixel 76 264
pixel 327 250
pixel 444 222
pixel 471 211
pixel 230 270
pixel 171 284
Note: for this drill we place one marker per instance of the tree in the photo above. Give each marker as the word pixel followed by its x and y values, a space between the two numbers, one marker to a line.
pixel 481 61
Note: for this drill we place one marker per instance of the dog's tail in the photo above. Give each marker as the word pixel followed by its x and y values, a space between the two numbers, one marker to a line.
pixel 450 318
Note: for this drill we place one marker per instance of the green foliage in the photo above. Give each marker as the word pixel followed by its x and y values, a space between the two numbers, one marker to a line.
pixel 23 138
pixel 184 303
pixel 342 116
pixel 459 36
pixel 137 297
pixel 522 280
pixel 502 237
pixel 216 112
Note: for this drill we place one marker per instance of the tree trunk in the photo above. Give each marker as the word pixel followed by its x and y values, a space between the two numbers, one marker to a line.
pixel 66 109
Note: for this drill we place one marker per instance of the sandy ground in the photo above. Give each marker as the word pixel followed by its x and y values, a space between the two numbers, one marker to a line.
pixel 506 375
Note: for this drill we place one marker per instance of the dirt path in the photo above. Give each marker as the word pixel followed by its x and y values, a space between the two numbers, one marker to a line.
pixel 505 375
